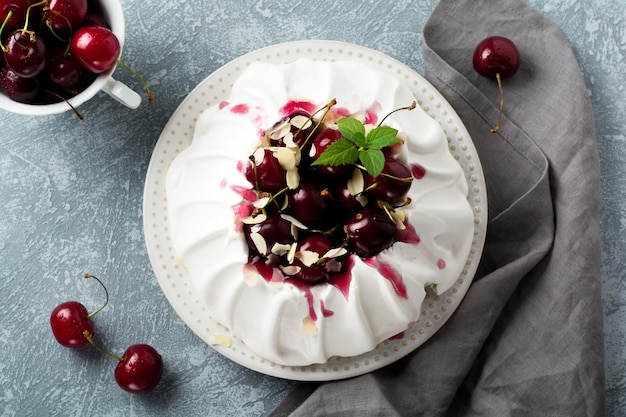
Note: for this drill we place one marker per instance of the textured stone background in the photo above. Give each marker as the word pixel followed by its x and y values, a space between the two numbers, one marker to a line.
pixel 71 201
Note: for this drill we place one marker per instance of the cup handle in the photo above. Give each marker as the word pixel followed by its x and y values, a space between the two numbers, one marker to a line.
pixel 122 93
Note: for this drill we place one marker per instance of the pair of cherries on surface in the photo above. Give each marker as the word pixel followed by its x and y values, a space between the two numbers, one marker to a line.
pixel 52 49
pixel 138 370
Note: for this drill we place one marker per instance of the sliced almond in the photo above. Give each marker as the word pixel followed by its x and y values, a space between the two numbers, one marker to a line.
pixel 261 202
pixel 335 253
pixel 290 269
pixel 308 257
pixel 286 158
pixel 259 242
pixel 280 249
pixel 356 184
pixel 250 275
pixel 280 130
pixel 258 156
pixel 301 122
pixel 221 340
pixel 293 179
pixel 294 221
pixel 291 255
pixel 309 326
pixel 254 219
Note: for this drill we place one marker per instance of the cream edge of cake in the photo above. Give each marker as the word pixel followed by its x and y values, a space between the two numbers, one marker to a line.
pixel 279 321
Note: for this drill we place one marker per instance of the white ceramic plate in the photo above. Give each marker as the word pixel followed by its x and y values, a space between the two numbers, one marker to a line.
pixel 176 283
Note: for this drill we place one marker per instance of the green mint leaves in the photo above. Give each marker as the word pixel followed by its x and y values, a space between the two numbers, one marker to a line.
pixel 357 145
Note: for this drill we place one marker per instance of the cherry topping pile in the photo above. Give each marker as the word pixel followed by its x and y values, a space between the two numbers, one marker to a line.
pixel 138 371
pixel 53 49
pixel 324 188
pixel 496 57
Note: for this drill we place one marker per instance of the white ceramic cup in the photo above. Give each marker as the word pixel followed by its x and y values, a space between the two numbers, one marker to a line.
pixel 112 13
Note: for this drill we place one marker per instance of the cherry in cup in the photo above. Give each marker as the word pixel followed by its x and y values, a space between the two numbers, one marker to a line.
pixel 496 57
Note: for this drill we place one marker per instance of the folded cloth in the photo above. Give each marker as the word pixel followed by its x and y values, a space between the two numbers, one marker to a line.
pixel 527 339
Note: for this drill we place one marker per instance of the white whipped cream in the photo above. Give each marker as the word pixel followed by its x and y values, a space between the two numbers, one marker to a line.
pixel 274 319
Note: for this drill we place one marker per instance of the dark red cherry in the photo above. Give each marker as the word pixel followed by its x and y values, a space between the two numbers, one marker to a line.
pixel 25 53
pixel 346 203
pixel 392 185
pixel 320 244
pixel 321 142
pixel 65 16
pixel 93 19
pixel 17 19
pixel 96 48
pixel 140 369
pixel 496 57
pixel 308 204
pixel 23 90
pixel 62 70
pixel 274 230
pixel 369 232
pixel 268 175
pixel 69 321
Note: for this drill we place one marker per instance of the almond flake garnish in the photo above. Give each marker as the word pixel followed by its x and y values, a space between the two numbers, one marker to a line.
pixel 250 275
pixel 333 265
pixel 290 269
pixel 293 179
pixel 308 257
pixel 286 158
pixel 362 199
pixel 261 202
pixel 292 252
pixel 309 326
pixel 301 122
pixel 258 156
pixel 356 184
pixel 179 262
pixel 294 221
pixel 281 130
pixel 280 249
pixel 254 219
pixel 259 242
pixel 221 339
pixel 398 216
pixel 335 253
pixel 288 141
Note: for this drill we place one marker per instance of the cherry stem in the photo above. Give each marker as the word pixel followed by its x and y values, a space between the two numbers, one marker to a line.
pixel 326 109
pixel 497 127
pixel 410 107
pixel 136 74
pixel 89 338
pixel 27 17
pixel 106 292
pixel 60 97
pixel 6 20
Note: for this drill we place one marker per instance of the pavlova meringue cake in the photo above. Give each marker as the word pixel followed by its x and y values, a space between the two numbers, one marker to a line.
pixel 277 259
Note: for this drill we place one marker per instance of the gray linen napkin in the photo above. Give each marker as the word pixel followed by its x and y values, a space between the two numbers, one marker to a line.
pixel 527 339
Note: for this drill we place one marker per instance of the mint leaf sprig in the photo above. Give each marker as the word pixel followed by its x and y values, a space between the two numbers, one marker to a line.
pixel 358 145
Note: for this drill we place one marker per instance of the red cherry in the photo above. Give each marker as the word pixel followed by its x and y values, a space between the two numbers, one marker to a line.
pixel 498 57
pixel 96 48
pixel 23 90
pixel 64 16
pixel 69 321
pixel 25 53
pixel 63 71
pixel 140 369
pixel 18 7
